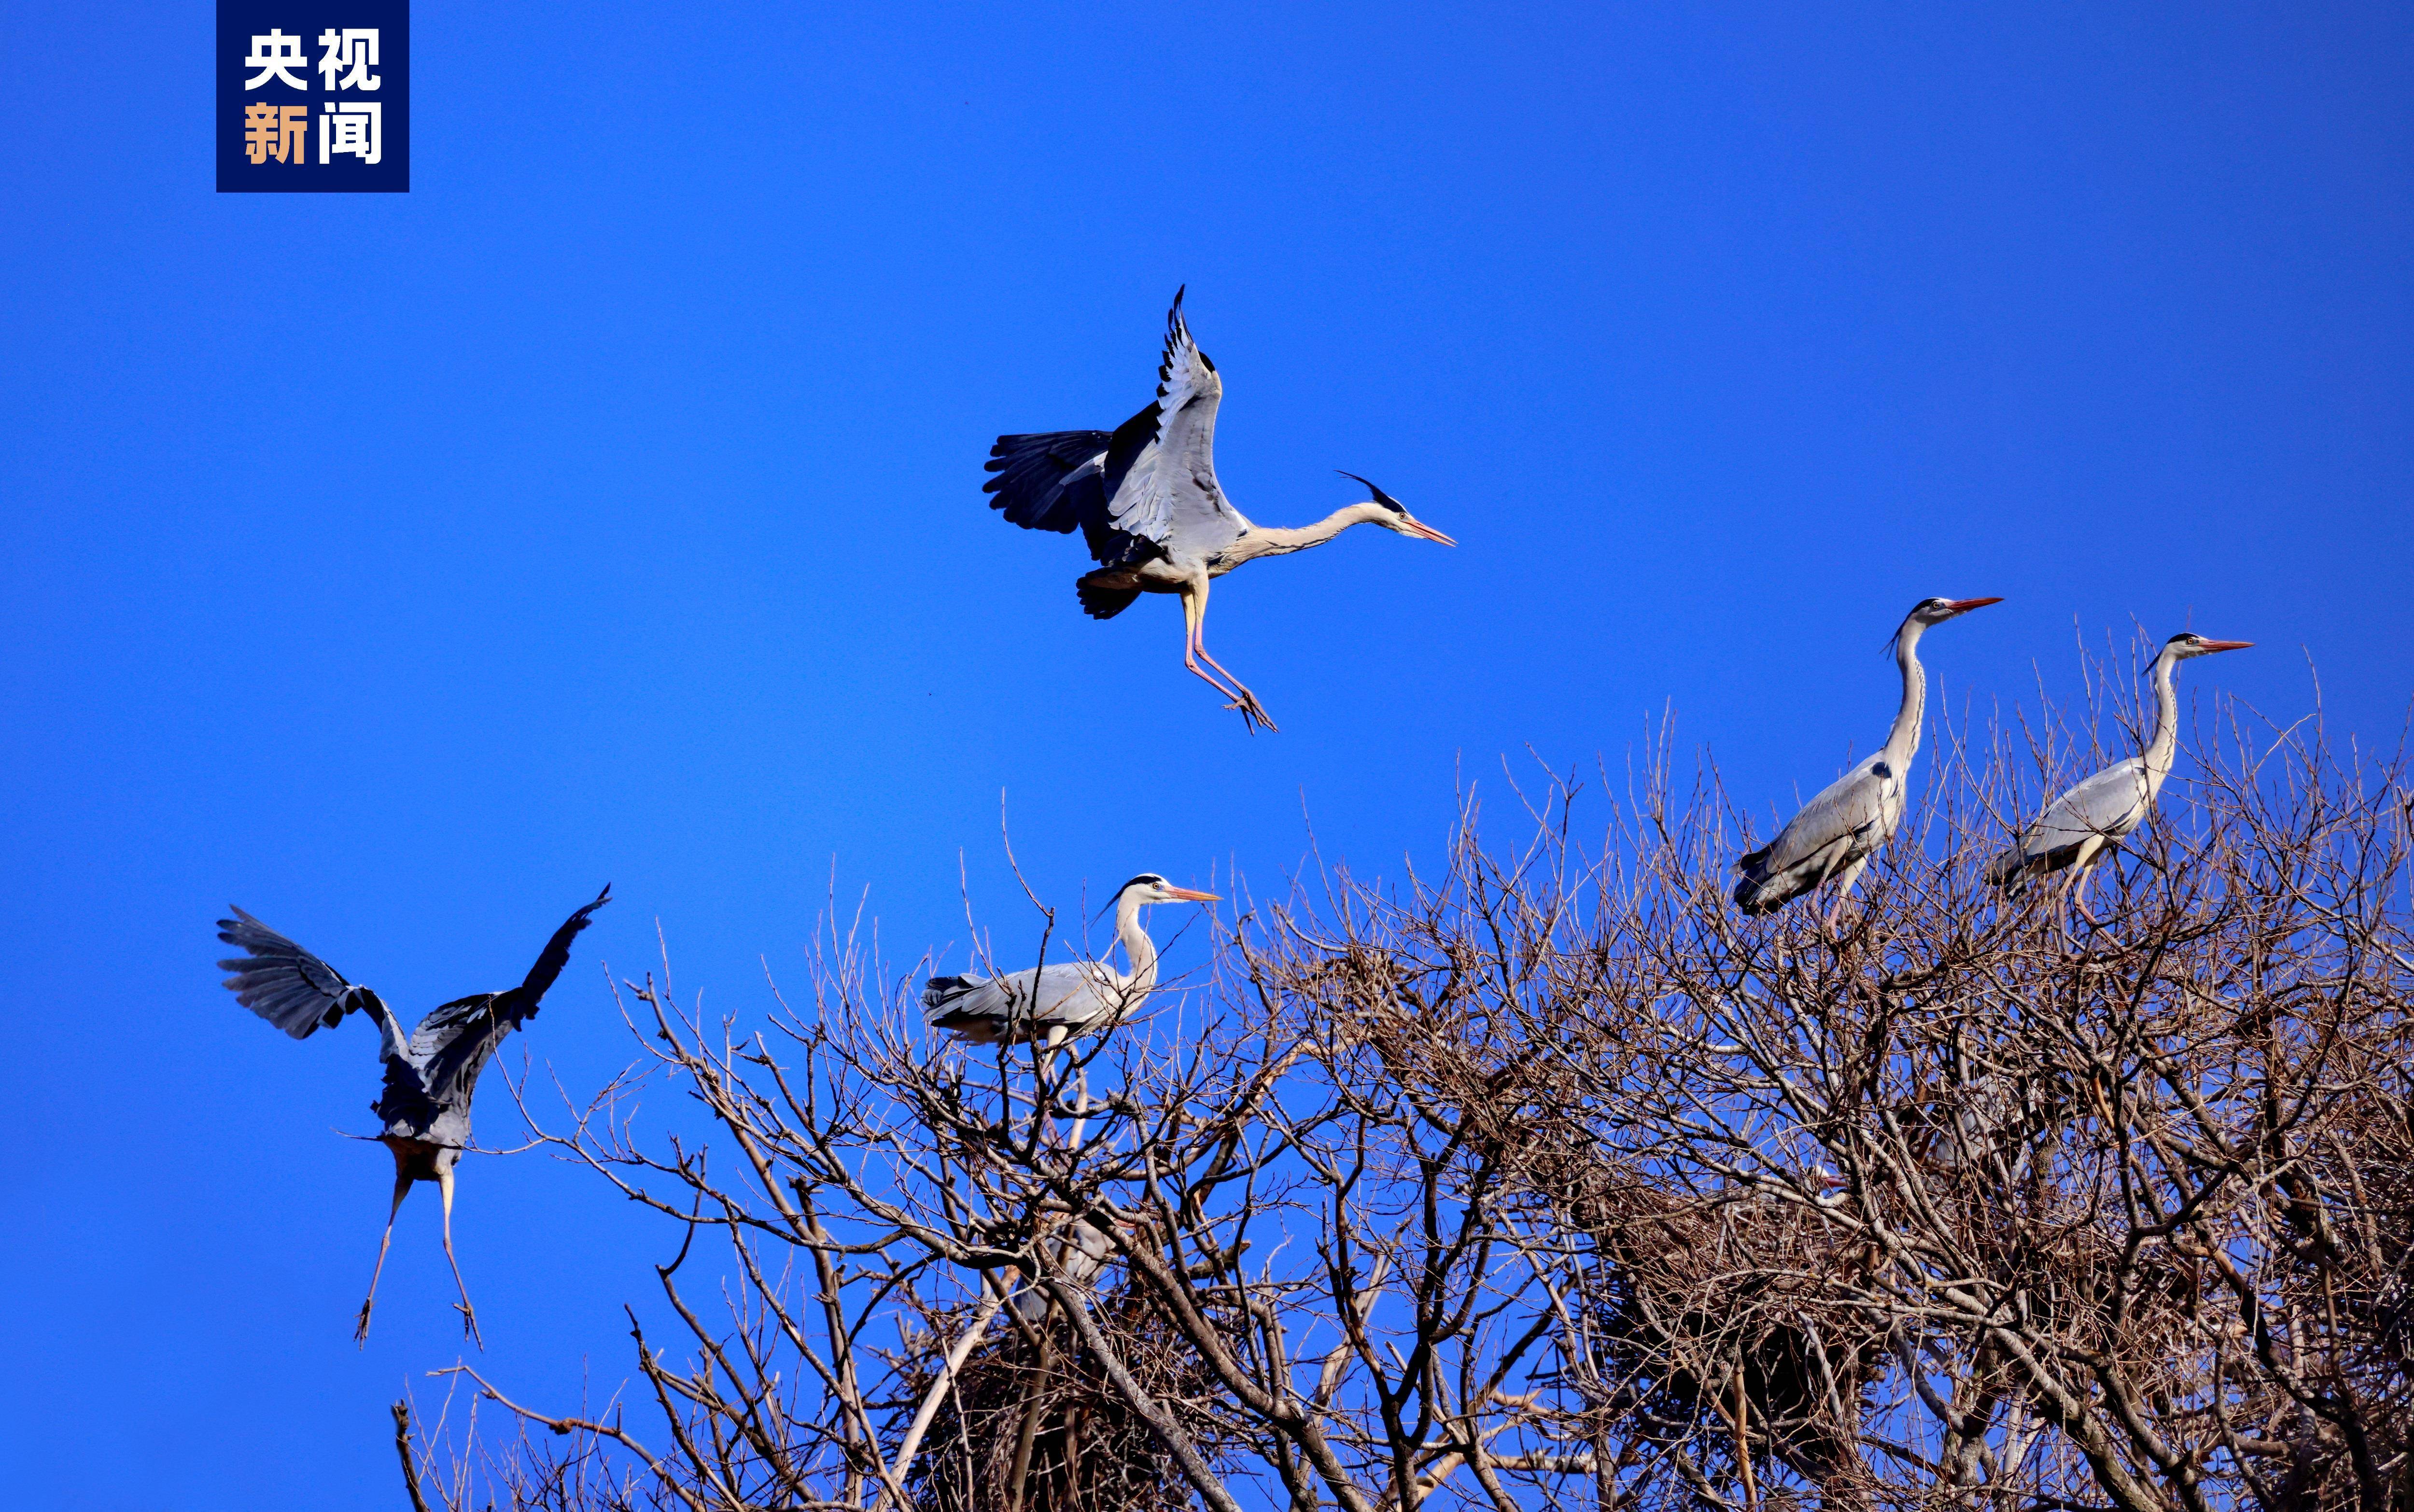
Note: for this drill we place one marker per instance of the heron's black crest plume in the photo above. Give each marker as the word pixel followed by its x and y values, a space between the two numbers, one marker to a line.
pixel 1109 906
pixel 1885 647
pixel 1380 497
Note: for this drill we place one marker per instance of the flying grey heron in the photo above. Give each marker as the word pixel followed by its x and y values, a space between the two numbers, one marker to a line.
pixel 1072 998
pixel 2077 828
pixel 1146 500
pixel 1837 832
pixel 429 1074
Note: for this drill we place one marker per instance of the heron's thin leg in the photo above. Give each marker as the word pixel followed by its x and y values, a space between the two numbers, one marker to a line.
pixel 1242 699
pixel 2086 880
pixel 1191 610
pixel 468 1314
pixel 1082 1111
pixel 1844 879
pixel 2074 887
pixel 401 1190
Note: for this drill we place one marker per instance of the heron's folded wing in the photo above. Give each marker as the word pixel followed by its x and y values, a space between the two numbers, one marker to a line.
pixel 289 987
pixel 2108 806
pixel 985 1009
pixel 1852 803
pixel 1160 468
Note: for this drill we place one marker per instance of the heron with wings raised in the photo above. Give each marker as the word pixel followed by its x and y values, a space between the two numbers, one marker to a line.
pixel 430 1074
pixel 1144 497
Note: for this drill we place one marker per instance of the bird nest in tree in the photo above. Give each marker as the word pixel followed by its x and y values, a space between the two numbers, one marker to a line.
pixel 1731 1323
pixel 1033 1424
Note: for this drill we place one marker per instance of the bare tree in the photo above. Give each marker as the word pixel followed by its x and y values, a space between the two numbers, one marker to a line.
pixel 1547 1180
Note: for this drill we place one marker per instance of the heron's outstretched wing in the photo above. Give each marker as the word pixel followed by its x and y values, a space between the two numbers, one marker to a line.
pixel 1050 481
pixel 1073 996
pixel 453 1043
pixel 1852 816
pixel 1160 468
pixel 2108 806
pixel 521 1002
pixel 1056 481
pixel 293 989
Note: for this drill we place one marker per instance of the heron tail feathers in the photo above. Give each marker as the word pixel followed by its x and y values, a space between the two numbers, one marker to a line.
pixel 1752 896
pixel 2011 870
pixel 2015 868
pixel 939 991
pixel 1761 891
pixel 1105 594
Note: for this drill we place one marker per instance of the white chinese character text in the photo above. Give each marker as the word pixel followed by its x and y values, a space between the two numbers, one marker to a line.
pixel 354 48
pixel 274 55
pixel 356 128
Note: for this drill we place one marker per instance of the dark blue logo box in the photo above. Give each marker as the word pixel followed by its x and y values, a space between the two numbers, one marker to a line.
pixel 314 97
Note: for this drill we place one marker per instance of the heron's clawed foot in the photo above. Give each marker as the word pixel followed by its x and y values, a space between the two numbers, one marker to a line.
pixel 1253 714
pixel 361 1325
pixel 470 1325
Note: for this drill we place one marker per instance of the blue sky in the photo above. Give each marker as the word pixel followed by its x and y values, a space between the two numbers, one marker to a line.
pixel 404 567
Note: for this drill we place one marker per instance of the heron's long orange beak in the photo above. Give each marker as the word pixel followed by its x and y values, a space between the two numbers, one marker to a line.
pixel 1429 533
pixel 1189 897
pixel 1962 606
pixel 2226 645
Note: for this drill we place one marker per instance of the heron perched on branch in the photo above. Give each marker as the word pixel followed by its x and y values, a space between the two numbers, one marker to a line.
pixel 1053 1004
pixel 1146 500
pixel 1837 832
pixel 430 1075
pixel 2078 828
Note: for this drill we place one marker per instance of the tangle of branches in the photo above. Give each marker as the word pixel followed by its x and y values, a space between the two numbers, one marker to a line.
pixel 1544 1180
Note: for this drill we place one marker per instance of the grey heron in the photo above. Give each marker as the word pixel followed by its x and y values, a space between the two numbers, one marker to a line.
pixel 1145 499
pixel 2077 828
pixel 1837 832
pixel 1067 1000
pixel 430 1075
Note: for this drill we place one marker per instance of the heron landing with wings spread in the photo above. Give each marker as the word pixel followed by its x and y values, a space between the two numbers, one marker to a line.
pixel 1144 497
pixel 1052 1003
pixel 430 1074
pixel 2078 828
pixel 1837 832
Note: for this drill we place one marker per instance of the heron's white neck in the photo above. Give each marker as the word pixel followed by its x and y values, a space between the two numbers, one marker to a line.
pixel 1280 540
pixel 1137 944
pixel 2165 741
pixel 1902 741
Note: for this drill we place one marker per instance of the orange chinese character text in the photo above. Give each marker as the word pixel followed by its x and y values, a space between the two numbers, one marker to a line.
pixel 279 131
